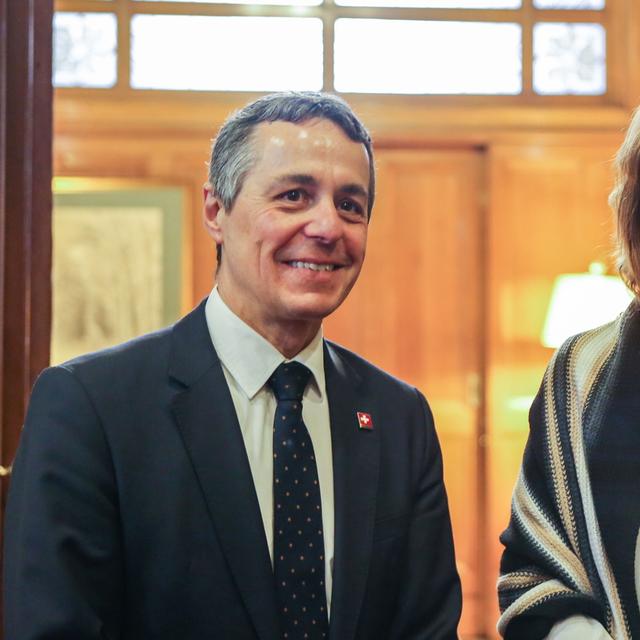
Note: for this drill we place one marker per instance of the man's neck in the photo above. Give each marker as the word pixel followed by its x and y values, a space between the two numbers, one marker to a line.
pixel 288 337
pixel 291 340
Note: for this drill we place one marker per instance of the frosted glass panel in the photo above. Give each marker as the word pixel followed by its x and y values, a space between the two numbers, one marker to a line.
pixel 569 4
pixel 294 3
pixel 421 57
pixel 211 53
pixel 435 4
pixel 84 49
pixel 569 59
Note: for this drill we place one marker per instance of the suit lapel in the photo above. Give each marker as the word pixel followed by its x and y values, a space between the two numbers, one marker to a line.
pixel 355 471
pixel 209 427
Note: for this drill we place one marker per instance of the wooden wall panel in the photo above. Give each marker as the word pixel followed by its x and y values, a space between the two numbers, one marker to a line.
pixel 417 312
pixel 152 161
pixel 548 215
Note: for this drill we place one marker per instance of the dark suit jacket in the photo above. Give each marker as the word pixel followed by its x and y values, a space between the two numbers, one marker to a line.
pixel 132 512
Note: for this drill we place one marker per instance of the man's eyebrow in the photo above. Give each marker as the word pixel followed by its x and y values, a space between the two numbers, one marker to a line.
pixel 304 179
pixel 293 178
pixel 355 190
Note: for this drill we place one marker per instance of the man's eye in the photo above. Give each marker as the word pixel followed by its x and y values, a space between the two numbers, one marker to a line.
pixel 350 206
pixel 293 195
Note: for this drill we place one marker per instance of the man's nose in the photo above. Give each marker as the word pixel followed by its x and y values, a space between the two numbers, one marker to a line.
pixel 326 223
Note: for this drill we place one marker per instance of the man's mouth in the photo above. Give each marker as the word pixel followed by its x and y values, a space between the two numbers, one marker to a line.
pixel 313 266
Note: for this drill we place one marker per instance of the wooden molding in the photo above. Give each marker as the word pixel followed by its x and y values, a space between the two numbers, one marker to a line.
pixel 171 115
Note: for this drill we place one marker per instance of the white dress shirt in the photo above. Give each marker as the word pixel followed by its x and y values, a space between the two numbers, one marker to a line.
pixel 248 360
pixel 578 628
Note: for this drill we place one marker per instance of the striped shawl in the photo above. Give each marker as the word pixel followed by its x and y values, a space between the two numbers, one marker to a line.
pixel 555 563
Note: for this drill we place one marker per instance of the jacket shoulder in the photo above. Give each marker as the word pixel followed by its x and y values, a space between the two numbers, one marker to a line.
pixel 366 370
pixel 147 354
pixel 148 348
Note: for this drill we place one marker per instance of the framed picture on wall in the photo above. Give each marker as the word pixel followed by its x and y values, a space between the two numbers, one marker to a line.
pixel 117 262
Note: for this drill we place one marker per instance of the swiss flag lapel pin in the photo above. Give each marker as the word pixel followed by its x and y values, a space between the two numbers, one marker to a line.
pixel 364 421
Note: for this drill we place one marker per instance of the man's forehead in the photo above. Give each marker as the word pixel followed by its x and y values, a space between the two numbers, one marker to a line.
pixel 314 131
pixel 284 148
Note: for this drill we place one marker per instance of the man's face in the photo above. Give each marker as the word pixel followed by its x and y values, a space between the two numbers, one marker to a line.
pixel 294 242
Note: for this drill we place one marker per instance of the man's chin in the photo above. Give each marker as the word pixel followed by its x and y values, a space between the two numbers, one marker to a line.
pixel 313 308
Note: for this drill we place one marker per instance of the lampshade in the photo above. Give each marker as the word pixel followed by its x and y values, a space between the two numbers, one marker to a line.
pixel 581 301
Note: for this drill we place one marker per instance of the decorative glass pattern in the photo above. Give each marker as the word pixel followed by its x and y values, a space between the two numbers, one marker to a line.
pixel 424 57
pixel 569 59
pixel 84 49
pixel 211 53
pixel 435 4
pixel 291 3
pixel 569 4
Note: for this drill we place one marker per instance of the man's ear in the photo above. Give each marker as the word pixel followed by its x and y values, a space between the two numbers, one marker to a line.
pixel 213 213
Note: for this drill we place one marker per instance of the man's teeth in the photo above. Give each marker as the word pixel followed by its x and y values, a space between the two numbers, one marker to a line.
pixel 312 265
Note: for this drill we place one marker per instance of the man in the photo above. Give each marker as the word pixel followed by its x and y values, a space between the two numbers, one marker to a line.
pixel 235 475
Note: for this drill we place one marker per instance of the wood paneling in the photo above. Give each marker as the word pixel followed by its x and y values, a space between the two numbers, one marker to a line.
pixel 464 119
pixel 417 312
pixel 549 215
pixel 152 161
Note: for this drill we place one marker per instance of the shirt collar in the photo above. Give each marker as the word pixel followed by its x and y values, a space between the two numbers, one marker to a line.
pixel 250 358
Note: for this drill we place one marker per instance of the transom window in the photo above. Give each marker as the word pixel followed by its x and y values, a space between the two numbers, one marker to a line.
pixel 523 48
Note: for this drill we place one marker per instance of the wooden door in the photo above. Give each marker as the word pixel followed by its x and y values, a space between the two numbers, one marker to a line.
pixel 417 312
pixel 549 215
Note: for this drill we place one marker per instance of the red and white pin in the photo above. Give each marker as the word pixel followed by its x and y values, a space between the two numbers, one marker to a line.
pixel 364 420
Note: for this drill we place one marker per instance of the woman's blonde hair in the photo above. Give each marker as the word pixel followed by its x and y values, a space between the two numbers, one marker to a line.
pixel 625 201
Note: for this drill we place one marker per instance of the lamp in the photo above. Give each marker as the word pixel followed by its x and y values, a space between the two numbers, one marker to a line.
pixel 581 301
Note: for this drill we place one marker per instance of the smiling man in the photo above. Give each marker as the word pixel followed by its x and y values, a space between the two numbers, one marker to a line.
pixel 236 476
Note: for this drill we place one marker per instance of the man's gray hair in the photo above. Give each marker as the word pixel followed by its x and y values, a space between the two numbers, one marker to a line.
pixel 233 155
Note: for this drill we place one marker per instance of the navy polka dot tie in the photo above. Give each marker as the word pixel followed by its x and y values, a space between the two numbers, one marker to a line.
pixel 298 542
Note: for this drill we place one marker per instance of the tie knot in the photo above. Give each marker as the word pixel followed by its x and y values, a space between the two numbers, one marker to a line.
pixel 289 381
